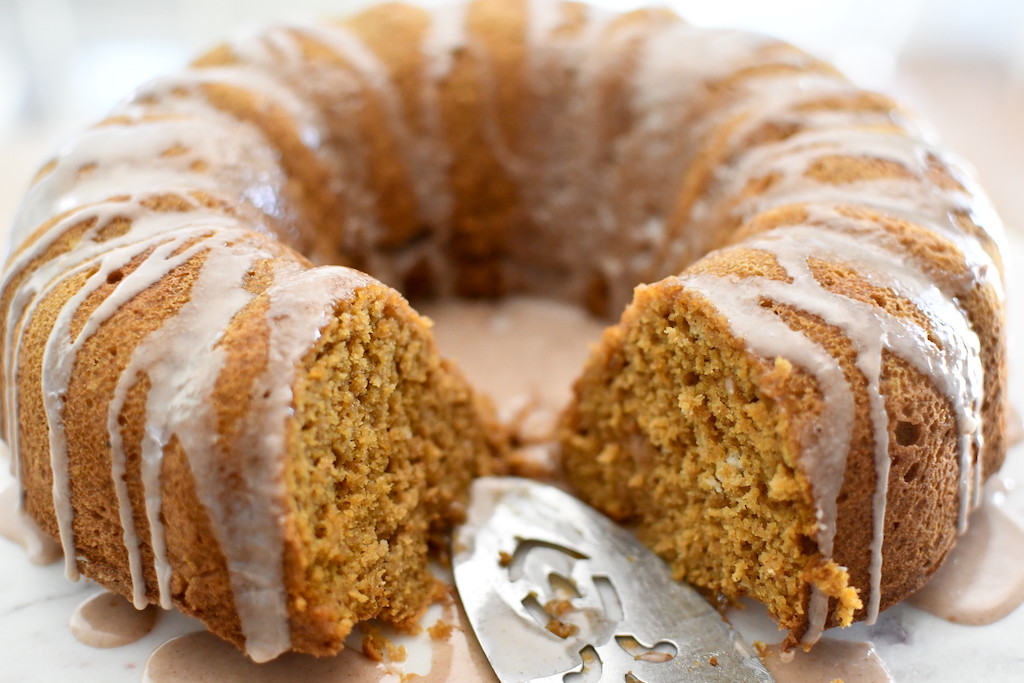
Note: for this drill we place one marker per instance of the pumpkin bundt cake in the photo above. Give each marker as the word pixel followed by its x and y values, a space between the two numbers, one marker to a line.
pixel 205 418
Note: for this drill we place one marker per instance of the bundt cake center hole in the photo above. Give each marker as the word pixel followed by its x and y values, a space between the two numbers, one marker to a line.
pixel 524 353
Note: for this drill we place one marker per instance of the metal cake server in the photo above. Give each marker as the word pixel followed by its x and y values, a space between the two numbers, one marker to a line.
pixel 556 592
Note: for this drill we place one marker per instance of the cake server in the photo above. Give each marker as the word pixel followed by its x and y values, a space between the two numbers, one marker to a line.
pixel 556 592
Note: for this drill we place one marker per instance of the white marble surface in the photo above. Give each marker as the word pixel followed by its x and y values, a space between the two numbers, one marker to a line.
pixel 36 644
pixel 972 108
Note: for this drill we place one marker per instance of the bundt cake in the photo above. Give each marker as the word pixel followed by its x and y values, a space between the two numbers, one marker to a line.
pixel 206 418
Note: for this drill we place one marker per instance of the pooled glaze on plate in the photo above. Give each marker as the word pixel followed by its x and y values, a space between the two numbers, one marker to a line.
pixel 108 620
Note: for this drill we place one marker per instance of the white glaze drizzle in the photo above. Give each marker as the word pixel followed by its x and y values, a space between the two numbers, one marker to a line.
pixel 671 77
pixel 350 178
pixel 427 176
pixel 956 369
pixel 301 304
pixel 43 281
pixel 445 39
pixel 269 90
pixel 422 155
pixel 126 153
pixel 187 340
pixel 953 366
pixel 824 449
pixel 178 407
pixel 920 202
pixel 23 298
pixel 114 178
pixel 59 360
pixel 917 200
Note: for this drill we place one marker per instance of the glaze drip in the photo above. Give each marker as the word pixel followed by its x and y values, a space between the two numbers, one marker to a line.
pixel 947 353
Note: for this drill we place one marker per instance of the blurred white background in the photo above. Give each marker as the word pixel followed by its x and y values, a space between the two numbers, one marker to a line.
pixel 64 63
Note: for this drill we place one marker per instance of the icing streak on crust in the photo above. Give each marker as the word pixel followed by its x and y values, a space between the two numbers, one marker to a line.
pixel 479 150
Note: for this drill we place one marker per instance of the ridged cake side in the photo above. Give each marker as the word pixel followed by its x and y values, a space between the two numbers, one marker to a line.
pixel 720 410
pixel 194 427
pixel 868 318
